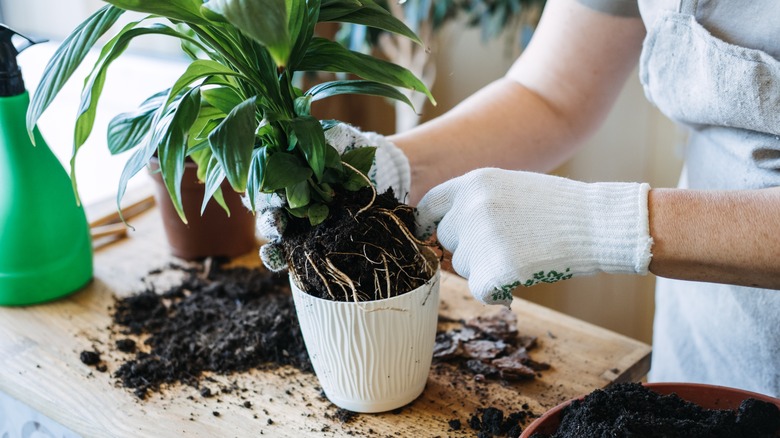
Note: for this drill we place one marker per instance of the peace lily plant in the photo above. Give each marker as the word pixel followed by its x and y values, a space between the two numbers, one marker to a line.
pixel 238 113
pixel 236 110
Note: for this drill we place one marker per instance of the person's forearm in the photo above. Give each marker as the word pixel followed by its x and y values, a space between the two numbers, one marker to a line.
pixel 492 128
pixel 716 236
pixel 550 101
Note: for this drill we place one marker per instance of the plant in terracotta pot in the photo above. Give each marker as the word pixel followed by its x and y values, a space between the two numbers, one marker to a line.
pixel 366 290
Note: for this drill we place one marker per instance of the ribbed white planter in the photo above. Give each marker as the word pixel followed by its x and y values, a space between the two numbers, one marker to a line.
pixel 371 356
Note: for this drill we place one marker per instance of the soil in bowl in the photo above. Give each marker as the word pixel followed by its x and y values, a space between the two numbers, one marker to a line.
pixel 633 410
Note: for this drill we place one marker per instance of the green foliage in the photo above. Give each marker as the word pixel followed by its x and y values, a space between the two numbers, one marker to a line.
pixel 235 111
pixel 492 17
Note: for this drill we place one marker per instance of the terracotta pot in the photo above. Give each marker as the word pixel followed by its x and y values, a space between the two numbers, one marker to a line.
pixel 214 234
pixel 371 356
pixel 706 396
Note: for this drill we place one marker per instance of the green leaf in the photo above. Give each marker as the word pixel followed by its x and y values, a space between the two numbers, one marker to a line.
pixel 201 159
pixel 135 163
pixel 182 10
pixel 354 182
pixel 298 195
pixel 303 19
pixel 214 177
pixel 332 158
pixel 318 213
pixel 311 141
pixel 205 116
pixel 283 170
pixel 221 200
pixel 127 130
pixel 223 98
pixel 303 105
pixel 198 70
pixel 256 173
pixel 67 58
pixel 265 21
pixel 233 140
pixel 208 128
pixel 172 148
pixel 360 158
pixel 370 88
pixel 325 55
pixel 330 10
pixel 301 213
pixel 370 14
pixel 94 84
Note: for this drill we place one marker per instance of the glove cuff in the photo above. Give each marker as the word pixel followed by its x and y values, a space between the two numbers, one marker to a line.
pixel 619 227
pixel 391 167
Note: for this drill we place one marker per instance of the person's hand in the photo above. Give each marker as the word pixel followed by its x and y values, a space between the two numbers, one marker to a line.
pixel 510 228
pixel 390 170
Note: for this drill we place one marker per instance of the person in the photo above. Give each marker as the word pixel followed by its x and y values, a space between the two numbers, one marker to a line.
pixel 711 66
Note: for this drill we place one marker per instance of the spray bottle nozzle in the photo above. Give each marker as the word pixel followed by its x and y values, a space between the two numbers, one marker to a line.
pixel 11 83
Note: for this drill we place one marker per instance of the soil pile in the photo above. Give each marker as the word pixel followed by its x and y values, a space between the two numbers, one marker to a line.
pixel 632 410
pixel 215 319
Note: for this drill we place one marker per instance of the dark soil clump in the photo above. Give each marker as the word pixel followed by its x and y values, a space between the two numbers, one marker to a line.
pixel 125 345
pixel 222 321
pixel 89 357
pixel 490 422
pixel 373 249
pixel 632 410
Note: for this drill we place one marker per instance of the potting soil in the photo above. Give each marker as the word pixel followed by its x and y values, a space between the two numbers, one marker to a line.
pixel 363 251
pixel 222 321
pixel 632 410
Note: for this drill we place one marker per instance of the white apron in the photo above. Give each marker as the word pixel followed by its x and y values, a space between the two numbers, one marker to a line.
pixel 730 98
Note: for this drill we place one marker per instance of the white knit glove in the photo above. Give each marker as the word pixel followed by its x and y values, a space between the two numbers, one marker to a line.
pixel 507 229
pixel 390 169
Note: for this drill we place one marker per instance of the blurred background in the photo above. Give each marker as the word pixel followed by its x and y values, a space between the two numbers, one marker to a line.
pixel 468 44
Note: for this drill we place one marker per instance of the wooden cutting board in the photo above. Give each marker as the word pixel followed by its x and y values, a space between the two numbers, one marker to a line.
pixel 40 366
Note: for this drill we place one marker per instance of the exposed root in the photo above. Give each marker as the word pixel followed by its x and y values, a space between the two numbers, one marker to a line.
pixel 371 247
pixel 334 271
pixel 403 227
pixel 373 190
pixel 387 275
pixel 322 277
pixel 411 237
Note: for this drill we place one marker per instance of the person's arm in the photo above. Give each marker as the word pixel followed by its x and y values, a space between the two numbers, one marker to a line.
pixel 555 95
pixel 716 236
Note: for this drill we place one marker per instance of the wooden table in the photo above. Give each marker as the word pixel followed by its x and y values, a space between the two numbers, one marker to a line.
pixel 40 366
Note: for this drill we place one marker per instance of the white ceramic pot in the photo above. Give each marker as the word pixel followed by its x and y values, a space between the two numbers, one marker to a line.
pixel 371 356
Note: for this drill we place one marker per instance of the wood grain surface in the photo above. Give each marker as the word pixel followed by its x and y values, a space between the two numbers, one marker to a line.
pixel 40 366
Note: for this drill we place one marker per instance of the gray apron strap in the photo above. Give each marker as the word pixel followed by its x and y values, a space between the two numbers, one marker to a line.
pixel 688 7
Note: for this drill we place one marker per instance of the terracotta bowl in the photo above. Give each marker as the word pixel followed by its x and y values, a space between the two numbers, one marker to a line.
pixel 706 396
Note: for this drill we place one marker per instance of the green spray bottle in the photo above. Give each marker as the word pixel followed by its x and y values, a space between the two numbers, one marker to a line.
pixel 45 245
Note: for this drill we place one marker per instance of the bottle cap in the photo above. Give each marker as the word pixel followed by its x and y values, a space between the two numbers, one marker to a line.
pixel 11 82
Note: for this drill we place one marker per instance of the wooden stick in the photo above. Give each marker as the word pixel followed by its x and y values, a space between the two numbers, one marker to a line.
pixel 117 230
pixel 129 211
